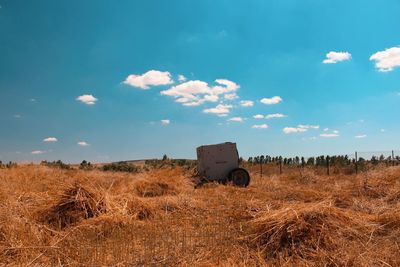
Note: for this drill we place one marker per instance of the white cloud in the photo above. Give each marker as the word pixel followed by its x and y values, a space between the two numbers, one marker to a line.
pixel 289 130
pixel 211 98
pixel 82 143
pixel 236 119
pixel 383 130
pixel 335 57
pixel 258 116
pixel 260 126
pixel 299 129
pixel 165 122
pixel 231 96
pixel 50 139
pixel 17 116
pixel 181 78
pixel 274 116
pixel 150 78
pixel 335 131
pixel 360 136
pixel 329 135
pixel 326 129
pixel 38 152
pixel 246 103
pixel 222 115
pixel 387 60
pixel 195 93
pixel 308 126
pixel 271 101
pixel 87 99
pixel 229 86
pixel 222 110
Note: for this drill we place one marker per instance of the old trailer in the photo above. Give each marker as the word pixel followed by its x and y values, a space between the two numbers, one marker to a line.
pixel 220 162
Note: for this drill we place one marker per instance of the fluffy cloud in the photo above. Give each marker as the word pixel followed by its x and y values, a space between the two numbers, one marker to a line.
pixel 299 129
pixel 258 116
pixel 181 78
pixel 387 60
pixel 150 78
pixel 165 122
pixel 229 86
pixel 271 101
pixel 222 110
pixel 82 143
pixel 246 103
pixel 87 99
pixel 38 152
pixel 195 93
pixel 260 126
pixel 50 139
pixel 232 96
pixel 276 115
pixel 289 130
pixel 335 57
pixel 360 136
pixel 236 119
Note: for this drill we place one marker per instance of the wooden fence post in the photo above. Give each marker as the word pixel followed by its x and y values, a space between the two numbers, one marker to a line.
pixel 356 163
pixel 261 174
pixel 280 166
pixel 393 158
pixel 327 164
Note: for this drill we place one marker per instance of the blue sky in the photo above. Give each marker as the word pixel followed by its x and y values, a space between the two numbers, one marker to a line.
pixel 116 80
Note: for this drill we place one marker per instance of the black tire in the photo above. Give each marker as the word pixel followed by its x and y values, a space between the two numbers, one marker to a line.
pixel 239 177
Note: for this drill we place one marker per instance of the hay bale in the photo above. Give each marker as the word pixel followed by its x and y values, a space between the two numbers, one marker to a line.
pixel 145 188
pixel 139 209
pixel 389 221
pixel 75 204
pixel 303 230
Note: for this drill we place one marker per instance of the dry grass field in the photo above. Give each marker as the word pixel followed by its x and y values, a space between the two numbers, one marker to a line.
pixel 54 217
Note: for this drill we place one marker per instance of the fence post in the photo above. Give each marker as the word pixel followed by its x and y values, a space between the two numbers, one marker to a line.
pixel 327 164
pixel 261 169
pixel 280 166
pixel 356 163
pixel 393 158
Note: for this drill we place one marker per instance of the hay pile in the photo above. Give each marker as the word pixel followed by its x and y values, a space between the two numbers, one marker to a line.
pixel 139 209
pixel 305 232
pixel 154 189
pixel 75 203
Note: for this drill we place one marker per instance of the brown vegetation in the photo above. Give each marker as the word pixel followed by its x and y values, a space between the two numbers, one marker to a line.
pixel 56 217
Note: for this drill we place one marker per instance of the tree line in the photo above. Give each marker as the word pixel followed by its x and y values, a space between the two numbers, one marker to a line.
pixel 323 160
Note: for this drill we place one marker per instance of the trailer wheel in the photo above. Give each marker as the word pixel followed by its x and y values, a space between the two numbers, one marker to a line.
pixel 239 177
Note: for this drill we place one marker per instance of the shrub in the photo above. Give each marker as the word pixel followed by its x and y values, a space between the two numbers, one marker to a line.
pixel 85 165
pixel 121 167
pixel 56 164
pixel 11 164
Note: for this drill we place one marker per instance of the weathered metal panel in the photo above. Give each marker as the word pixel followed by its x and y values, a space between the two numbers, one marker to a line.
pixel 216 161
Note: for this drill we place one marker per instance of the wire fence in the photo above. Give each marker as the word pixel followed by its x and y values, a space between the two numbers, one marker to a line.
pixel 352 163
pixel 164 241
